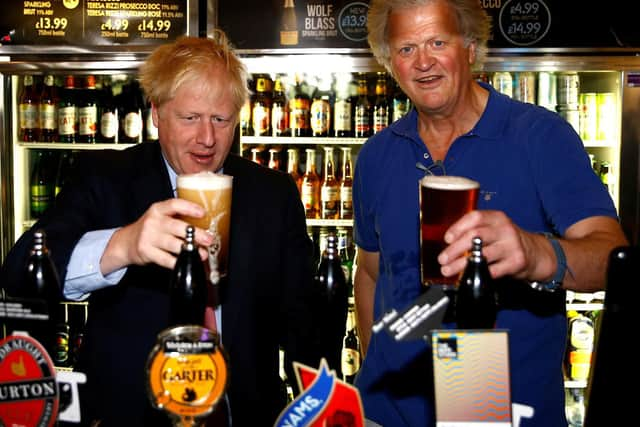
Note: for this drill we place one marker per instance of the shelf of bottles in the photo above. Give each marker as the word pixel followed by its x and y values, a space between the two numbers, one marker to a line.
pixel 61 114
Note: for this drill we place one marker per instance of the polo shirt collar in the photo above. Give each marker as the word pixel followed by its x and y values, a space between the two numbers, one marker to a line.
pixel 491 124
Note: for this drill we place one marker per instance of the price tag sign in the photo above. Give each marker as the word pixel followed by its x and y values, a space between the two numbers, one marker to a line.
pixel 352 21
pixel 93 22
pixel 524 22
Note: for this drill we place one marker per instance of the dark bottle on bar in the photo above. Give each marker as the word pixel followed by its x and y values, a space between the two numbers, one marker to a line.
pixel 188 289
pixel 41 187
pixel 476 306
pixel 331 285
pixel 28 110
pixel 88 112
pixel 42 282
pixel 48 110
pixel 68 112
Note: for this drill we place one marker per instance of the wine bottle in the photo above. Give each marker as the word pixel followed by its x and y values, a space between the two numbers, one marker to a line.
pixel 188 288
pixel 28 110
pixel 289 24
pixel 88 112
pixel 68 112
pixel 48 110
pixel 42 282
pixel 475 305
pixel 109 122
pixel 331 286
pixel 131 114
pixel 41 189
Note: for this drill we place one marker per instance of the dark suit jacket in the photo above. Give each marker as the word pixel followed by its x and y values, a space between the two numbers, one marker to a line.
pixel 267 300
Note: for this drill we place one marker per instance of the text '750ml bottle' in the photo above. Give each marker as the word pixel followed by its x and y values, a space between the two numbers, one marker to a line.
pixel 188 289
pixel 475 304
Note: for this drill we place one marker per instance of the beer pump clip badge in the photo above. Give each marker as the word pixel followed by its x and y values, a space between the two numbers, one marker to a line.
pixel 187 372
pixel 28 389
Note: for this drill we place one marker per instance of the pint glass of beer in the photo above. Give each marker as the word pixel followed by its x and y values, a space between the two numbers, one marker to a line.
pixel 212 191
pixel 443 200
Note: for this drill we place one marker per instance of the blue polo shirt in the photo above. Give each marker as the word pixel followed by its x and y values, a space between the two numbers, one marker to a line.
pixel 530 164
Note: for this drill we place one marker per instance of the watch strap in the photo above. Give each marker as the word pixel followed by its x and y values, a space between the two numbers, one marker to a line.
pixel 561 259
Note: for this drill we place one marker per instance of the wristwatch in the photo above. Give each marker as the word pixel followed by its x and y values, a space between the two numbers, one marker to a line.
pixel 556 281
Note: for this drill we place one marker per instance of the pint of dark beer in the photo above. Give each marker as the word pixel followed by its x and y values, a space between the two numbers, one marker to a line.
pixel 443 200
pixel 212 191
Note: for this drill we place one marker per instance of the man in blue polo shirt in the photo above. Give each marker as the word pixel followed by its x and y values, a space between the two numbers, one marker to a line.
pixel 535 178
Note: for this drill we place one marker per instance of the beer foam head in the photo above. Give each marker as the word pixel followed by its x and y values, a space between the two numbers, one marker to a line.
pixel 205 181
pixel 449 182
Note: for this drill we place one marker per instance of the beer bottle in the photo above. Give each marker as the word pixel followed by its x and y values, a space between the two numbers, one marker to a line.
pixel 331 286
pixel 61 354
pixel 274 158
pixel 345 250
pixel 150 129
pixel 188 287
pixel 300 110
pixel 293 166
pixel 475 305
pixel 321 108
pixel 40 186
pixel 330 188
pixel 310 186
pixel 350 363
pixel 401 103
pixel 342 126
pixel 579 347
pixel 48 110
pixel 346 185
pixel 256 156
pixel 245 118
pixel 42 283
pixel 289 24
pixel 279 110
pixel 109 123
pixel 261 111
pixel 381 105
pixel 62 171
pixel 362 115
pixel 28 110
pixel 88 112
pixel 131 116
pixel 77 321
pixel 67 112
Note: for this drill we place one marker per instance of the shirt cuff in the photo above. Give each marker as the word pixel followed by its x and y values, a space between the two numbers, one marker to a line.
pixel 83 271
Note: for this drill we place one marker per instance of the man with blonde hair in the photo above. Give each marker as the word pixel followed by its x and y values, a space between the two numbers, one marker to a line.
pixel 115 232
